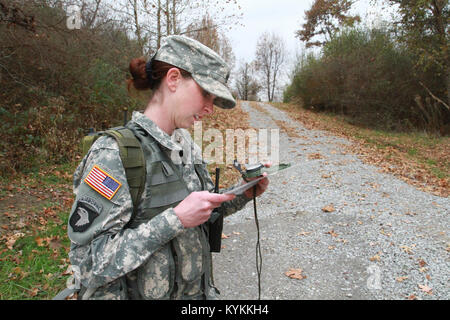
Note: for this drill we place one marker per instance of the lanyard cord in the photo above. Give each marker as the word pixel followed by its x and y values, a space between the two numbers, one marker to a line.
pixel 258 245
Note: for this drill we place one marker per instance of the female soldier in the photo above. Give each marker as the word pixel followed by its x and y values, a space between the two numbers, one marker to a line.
pixel 161 252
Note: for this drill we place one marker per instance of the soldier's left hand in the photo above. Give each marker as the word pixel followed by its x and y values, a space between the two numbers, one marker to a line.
pixel 261 186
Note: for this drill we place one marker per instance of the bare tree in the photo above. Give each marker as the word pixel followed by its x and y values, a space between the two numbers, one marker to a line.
pixel 13 15
pixel 270 58
pixel 246 84
pixel 150 20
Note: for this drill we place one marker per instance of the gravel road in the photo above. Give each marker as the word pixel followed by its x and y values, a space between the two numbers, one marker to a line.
pixel 384 240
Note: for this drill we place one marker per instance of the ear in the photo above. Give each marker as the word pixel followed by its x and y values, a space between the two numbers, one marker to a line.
pixel 173 79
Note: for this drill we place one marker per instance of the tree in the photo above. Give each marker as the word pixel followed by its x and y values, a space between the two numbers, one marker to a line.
pixel 246 85
pixel 150 20
pixel 324 19
pixel 270 57
pixel 13 15
pixel 207 31
pixel 423 26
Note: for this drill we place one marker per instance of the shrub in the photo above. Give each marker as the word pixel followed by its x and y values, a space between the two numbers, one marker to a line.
pixel 364 75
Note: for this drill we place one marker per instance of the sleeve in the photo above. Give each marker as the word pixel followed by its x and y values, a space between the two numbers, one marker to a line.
pixel 102 248
pixel 234 205
pixel 228 207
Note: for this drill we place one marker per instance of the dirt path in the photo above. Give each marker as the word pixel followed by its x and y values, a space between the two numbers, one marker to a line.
pixel 343 229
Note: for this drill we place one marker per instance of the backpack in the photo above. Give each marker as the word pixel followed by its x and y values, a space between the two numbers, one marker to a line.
pixel 132 157
pixel 133 161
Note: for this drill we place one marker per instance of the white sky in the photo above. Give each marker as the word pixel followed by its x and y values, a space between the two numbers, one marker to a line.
pixel 282 17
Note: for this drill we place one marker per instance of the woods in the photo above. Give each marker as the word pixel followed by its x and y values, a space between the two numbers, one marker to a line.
pixel 393 76
pixel 64 66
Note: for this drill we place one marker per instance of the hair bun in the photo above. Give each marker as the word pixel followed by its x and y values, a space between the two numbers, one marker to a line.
pixel 138 71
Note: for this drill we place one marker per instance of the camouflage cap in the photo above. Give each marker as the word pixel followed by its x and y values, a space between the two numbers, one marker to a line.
pixel 207 68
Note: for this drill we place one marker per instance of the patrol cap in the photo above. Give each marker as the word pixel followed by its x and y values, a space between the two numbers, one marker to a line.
pixel 207 68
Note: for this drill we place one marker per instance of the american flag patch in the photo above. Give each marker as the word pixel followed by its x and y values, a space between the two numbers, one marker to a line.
pixel 102 182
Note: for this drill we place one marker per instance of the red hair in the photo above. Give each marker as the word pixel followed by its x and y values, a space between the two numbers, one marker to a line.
pixel 140 79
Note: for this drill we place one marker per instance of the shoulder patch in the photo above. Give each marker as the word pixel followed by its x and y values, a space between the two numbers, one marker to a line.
pixel 102 182
pixel 83 216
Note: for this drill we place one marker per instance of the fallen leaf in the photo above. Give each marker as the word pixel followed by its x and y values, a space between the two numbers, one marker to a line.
pixel 412 297
pixel 332 233
pixel 401 279
pixel 422 263
pixel 295 274
pixel 328 208
pixel 315 156
pixel 17 270
pixel 11 240
pixel 406 249
pixel 54 243
pixel 39 241
pixel 34 292
pixel 375 258
pixel 426 289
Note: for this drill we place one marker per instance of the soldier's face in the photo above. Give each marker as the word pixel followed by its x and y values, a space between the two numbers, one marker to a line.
pixel 194 104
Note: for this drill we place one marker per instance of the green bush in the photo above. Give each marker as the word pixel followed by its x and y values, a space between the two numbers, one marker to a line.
pixel 365 76
pixel 56 84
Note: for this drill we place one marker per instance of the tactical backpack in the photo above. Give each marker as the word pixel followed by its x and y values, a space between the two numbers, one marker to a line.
pixel 131 155
pixel 133 161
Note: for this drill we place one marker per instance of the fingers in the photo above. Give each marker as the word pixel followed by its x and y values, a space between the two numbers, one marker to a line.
pixel 219 198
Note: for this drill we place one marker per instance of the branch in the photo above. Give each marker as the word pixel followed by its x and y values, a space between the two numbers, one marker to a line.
pixel 434 97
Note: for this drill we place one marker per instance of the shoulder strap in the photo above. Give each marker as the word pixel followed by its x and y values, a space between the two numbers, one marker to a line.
pixel 133 161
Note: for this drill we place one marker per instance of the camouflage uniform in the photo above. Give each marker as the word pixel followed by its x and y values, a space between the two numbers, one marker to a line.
pixel 136 263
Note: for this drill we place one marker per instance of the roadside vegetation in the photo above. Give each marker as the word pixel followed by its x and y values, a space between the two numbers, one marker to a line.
pixel 35 207
pixel 418 158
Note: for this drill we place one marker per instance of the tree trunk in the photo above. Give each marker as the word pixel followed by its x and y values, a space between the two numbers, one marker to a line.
pixel 138 27
pixel 158 25
pixel 167 18
pixel 174 18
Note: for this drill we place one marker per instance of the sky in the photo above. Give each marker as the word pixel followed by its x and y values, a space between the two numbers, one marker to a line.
pixel 283 17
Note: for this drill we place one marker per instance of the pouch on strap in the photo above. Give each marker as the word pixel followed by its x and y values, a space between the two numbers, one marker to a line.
pixel 133 161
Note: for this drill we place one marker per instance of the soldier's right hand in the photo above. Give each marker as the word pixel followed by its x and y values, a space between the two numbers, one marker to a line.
pixel 196 208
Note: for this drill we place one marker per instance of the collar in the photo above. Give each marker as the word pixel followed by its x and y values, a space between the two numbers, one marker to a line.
pixel 151 128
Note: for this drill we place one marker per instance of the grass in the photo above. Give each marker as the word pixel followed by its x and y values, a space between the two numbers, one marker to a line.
pixel 34 243
pixel 34 268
